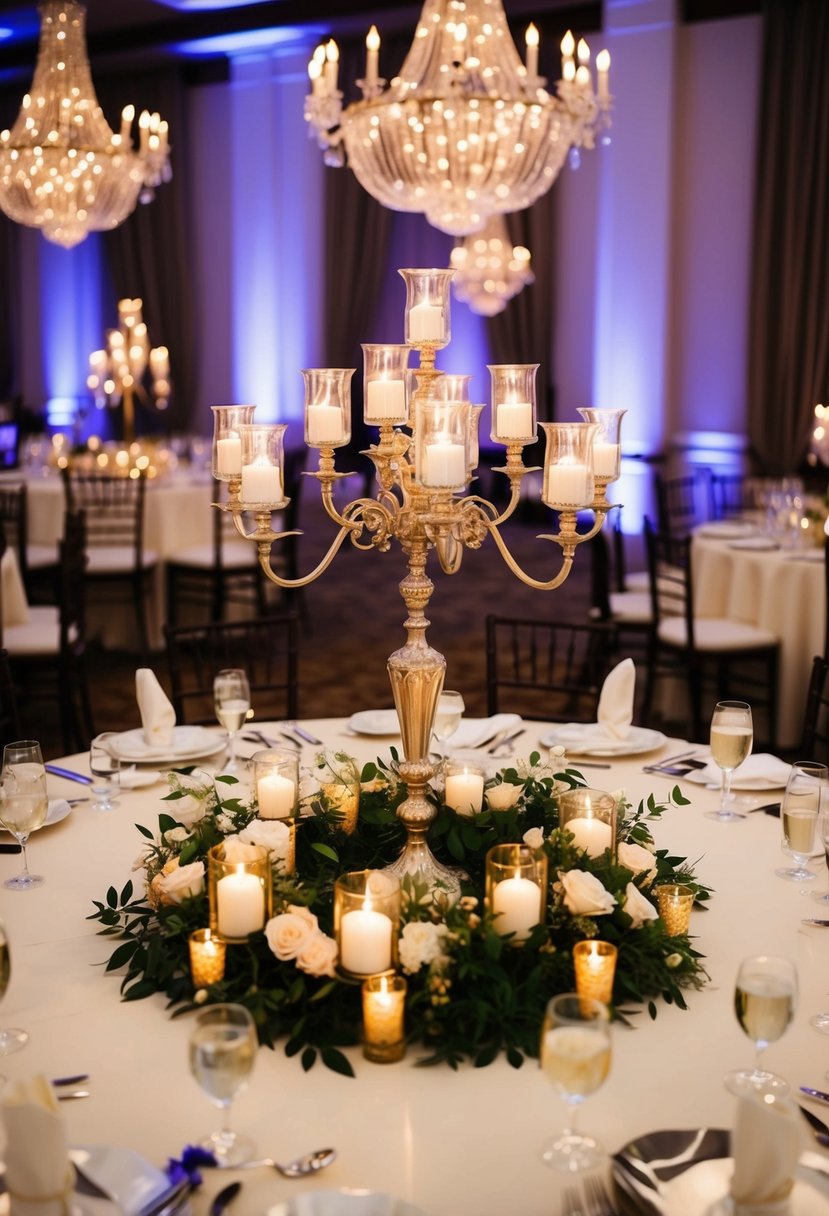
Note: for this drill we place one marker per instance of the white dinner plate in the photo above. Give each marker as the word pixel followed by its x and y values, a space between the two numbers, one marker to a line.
pixel 347 1202
pixel 726 529
pixel 59 808
pixel 375 722
pixel 575 737
pixel 760 544
pixel 188 743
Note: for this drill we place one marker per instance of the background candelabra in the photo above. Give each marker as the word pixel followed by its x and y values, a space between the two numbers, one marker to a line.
pixel 423 500
pixel 117 375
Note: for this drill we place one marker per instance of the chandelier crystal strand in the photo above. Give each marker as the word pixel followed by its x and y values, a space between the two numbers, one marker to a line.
pixel 62 168
pixel 489 269
pixel 467 130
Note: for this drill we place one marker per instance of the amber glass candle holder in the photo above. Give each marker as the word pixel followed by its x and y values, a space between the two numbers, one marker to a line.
pixel 366 922
pixel 607 445
pixel 590 816
pixel 516 889
pixel 207 957
pixel 426 319
pixel 568 482
pixel 276 780
pixel 239 889
pixel 339 785
pixel 675 901
pixel 513 402
pixel 595 964
pixel 384 1005
pixel 227 442
pixel 385 397
pixel 327 406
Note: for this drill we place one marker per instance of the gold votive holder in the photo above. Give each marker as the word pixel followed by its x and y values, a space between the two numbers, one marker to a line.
pixel 516 889
pixel 675 901
pixel 339 785
pixel 276 780
pixel 384 1006
pixel 595 964
pixel 366 922
pixel 239 889
pixel 589 816
pixel 207 957
pixel 464 786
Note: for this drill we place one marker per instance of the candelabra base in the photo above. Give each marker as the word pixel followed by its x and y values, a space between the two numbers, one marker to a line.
pixel 422 876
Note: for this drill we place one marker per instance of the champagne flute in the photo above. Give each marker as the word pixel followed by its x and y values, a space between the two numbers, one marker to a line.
pixel 575 1056
pixel 105 768
pixel 447 716
pixel 23 801
pixel 11 1039
pixel 802 802
pixel 732 733
pixel 231 697
pixel 764 1002
pixel 222 1054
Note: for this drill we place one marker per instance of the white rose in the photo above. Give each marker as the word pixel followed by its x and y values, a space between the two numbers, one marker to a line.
pixel 533 838
pixel 557 755
pixel 176 836
pixel 237 851
pixel 501 797
pixel 318 956
pixel 187 810
pixel 637 907
pixel 637 859
pixel 584 895
pixel 288 934
pixel 673 960
pixel 304 914
pixel 224 823
pixel 183 882
pixel 272 834
pixel 420 944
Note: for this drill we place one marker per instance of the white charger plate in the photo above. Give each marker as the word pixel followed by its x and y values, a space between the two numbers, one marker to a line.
pixel 346 1202
pixel 726 529
pixel 188 743
pixel 59 808
pixel 759 543
pixel 375 722
pixel 571 735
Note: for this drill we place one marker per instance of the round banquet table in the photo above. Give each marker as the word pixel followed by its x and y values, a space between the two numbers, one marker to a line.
pixel 453 1143
pixel 782 590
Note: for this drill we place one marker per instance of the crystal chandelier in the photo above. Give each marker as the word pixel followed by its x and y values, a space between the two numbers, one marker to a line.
pixel 466 130
pixel 489 269
pixel 62 169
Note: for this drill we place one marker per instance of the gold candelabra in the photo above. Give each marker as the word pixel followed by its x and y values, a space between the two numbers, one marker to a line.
pixel 117 373
pixel 423 501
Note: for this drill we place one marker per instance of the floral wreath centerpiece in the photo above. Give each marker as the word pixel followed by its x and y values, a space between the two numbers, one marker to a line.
pixel 476 979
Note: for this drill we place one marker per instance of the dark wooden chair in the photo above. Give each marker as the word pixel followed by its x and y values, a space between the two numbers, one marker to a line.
pixel 10 726
pixel 683 502
pixel 815 739
pixel 38 563
pixel 545 669
pixel 616 597
pixel 732 494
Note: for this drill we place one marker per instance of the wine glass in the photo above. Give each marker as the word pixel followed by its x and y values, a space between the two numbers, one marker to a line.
pixel 802 802
pixel 231 696
pixel 105 768
pixel 822 897
pixel 575 1056
pixel 222 1054
pixel 11 1039
pixel 447 716
pixel 23 801
pixel 764 1002
pixel 732 733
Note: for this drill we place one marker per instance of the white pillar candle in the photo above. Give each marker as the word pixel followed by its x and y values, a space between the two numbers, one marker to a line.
pixel 229 454
pixel 606 457
pixel 426 323
pixel 464 792
pixel 513 420
pixel 444 464
pixel 276 795
pixel 385 399
pixel 592 835
pixel 569 484
pixel 240 905
pixel 516 903
pixel 261 483
pixel 365 942
pixel 325 424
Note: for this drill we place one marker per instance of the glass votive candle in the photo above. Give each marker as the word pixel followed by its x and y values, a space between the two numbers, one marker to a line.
pixel 450 386
pixel 384 1005
pixel 675 901
pixel 339 784
pixel 568 482
pixel 473 443
pixel 276 780
pixel 595 964
pixel 426 320
pixel 227 442
pixel 513 402
pixel 262 463
pixel 239 889
pixel 516 889
pixel 366 921
pixel 607 447
pixel 442 432
pixel 590 816
pixel 464 786
pixel 327 406
pixel 384 383
pixel 207 957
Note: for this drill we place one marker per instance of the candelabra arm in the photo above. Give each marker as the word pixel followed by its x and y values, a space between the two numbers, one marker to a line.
pixel 568 544
pixel 264 544
pixel 600 508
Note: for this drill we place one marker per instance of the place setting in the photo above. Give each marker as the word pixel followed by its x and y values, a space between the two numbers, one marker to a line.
pixel 159 740
pixel 613 733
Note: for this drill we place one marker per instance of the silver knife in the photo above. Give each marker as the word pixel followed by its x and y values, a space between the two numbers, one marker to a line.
pixel 817 1094
pixel 509 739
pixel 303 734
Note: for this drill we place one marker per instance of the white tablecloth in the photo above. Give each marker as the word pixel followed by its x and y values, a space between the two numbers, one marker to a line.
pixel 456 1144
pixel 780 590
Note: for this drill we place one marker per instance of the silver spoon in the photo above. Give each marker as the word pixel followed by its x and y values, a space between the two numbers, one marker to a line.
pixel 300 1167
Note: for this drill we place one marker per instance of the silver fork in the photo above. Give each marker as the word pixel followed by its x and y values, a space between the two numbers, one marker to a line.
pixel 598 1198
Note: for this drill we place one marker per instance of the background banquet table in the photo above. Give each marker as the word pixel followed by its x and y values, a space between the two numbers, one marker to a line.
pixel 453 1143
pixel 782 590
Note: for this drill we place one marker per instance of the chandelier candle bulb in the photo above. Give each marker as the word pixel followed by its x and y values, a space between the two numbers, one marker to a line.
pixel 514 420
pixel 332 57
pixel 372 55
pixel 595 965
pixel 602 76
pixel 384 1004
pixel 207 958
pixel 532 50
pixel 261 482
pixel 568 46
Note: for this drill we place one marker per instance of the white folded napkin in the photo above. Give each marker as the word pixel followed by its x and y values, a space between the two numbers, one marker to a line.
pixel 132 778
pixel 615 711
pixel 472 732
pixel 761 771
pixel 40 1178
pixel 765 1145
pixel 157 714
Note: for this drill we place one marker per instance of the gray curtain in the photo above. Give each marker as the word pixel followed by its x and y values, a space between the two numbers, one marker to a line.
pixel 789 321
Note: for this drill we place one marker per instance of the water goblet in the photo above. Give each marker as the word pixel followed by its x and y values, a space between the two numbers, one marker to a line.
pixel 23 801
pixel 801 806
pixel 105 768
pixel 575 1057
pixel 11 1038
pixel 231 697
pixel 447 716
pixel 222 1054
pixel 765 995
pixel 732 733
pixel 822 897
